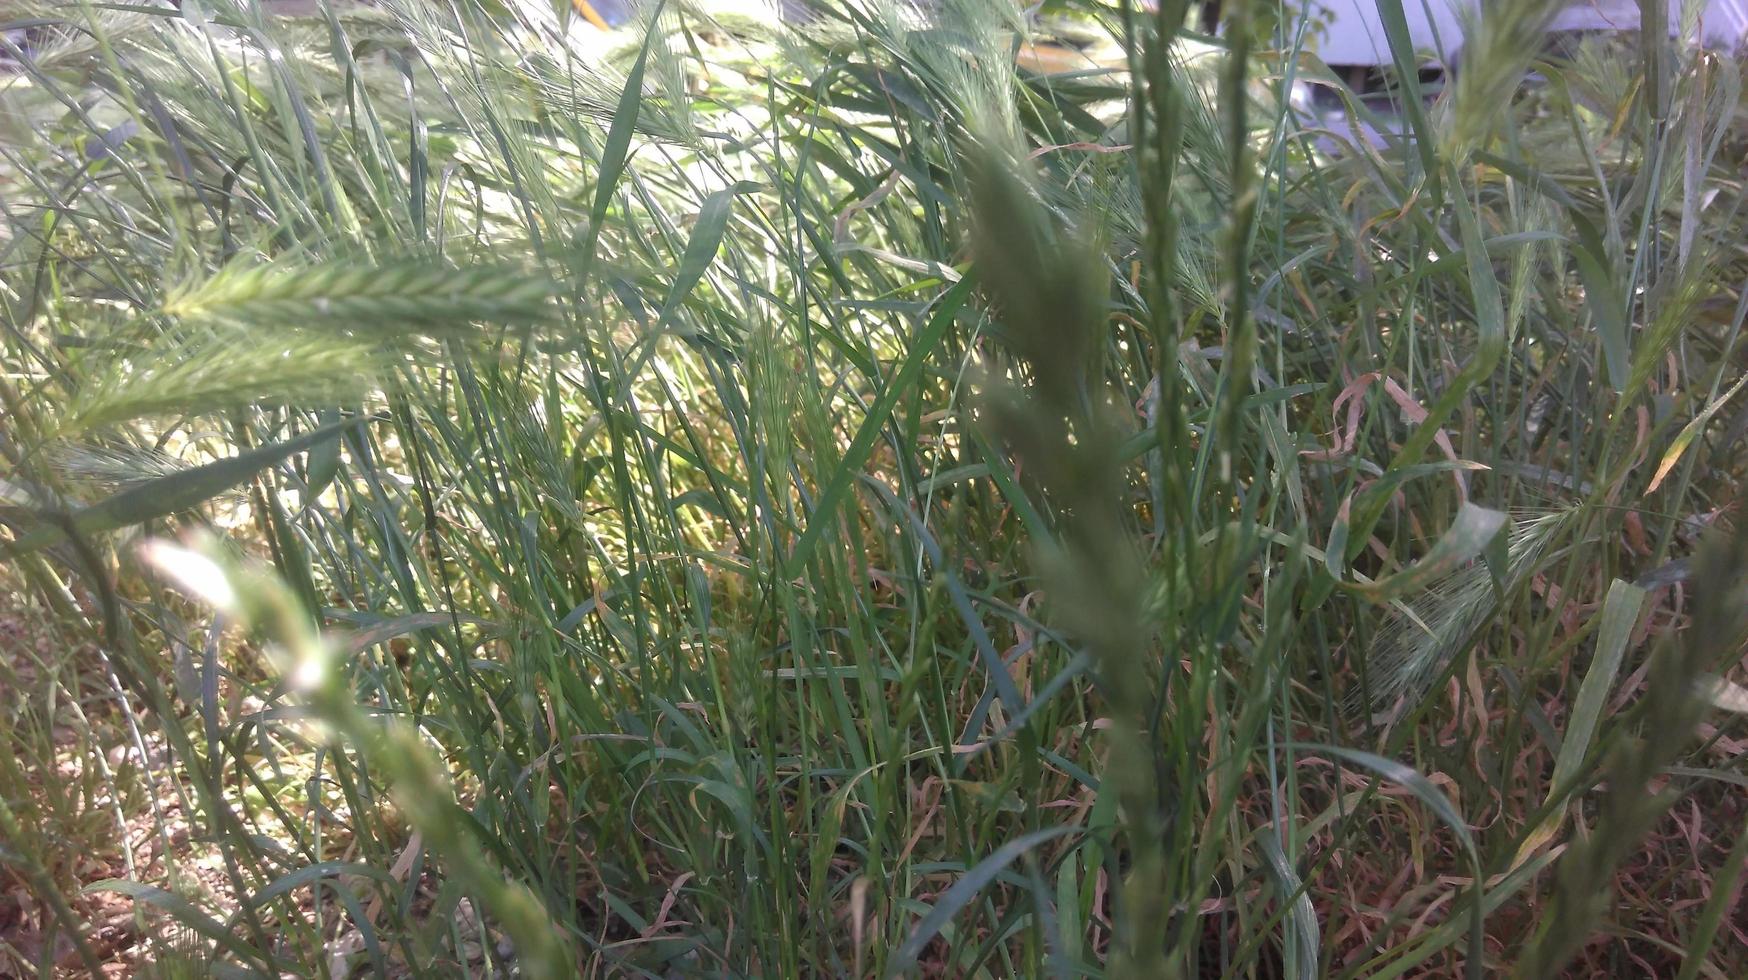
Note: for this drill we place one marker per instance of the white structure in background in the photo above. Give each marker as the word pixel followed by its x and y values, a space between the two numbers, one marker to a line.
pixel 1350 33
pixel 1723 24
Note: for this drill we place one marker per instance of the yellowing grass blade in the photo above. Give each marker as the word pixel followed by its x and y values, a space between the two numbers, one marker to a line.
pixel 1688 433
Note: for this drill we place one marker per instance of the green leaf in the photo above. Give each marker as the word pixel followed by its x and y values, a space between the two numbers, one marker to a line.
pixel 387 628
pixel 822 517
pixel 1335 555
pixel 949 477
pixel 1304 933
pixel 324 463
pixel 1413 100
pixel 1608 312
pixel 1489 305
pixel 309 875
pixel 182 910
pixel 963 891
pixel 1497 556
pixel 1374 495
pixel 1606 302
pixel 701 249
pixel 1407 778
pixel 1467 538
pixel 177 492
pixel 1490 344
pixel 1620 613
pixel 618 146
pixel 1070 927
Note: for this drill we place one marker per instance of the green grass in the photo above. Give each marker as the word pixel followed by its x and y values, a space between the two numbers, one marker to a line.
pixel 738 499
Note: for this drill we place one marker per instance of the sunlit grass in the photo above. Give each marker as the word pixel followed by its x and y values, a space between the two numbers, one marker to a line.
pixel 860 496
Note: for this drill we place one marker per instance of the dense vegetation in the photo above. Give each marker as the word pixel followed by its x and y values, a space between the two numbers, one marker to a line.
pixel 968 491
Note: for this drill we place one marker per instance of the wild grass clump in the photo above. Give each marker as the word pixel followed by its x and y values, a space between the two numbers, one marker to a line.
pixel 874 491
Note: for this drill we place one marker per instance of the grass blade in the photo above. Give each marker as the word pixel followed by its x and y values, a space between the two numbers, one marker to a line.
pixel 822 520
pixel 1620 614
pixel 962 893
pixel 1465 540
pixel 177 492
pixel 1426 792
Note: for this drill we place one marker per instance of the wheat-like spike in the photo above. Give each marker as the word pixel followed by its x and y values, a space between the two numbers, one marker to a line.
pixel 58 46
pixel 1414 646
pixel 225 373
pixel 534 446
pixel 423 295
pixel 181 954
pixel 595 95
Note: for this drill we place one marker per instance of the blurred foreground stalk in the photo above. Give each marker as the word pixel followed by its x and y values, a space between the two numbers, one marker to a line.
pixel 1049 292
pixel 260 600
